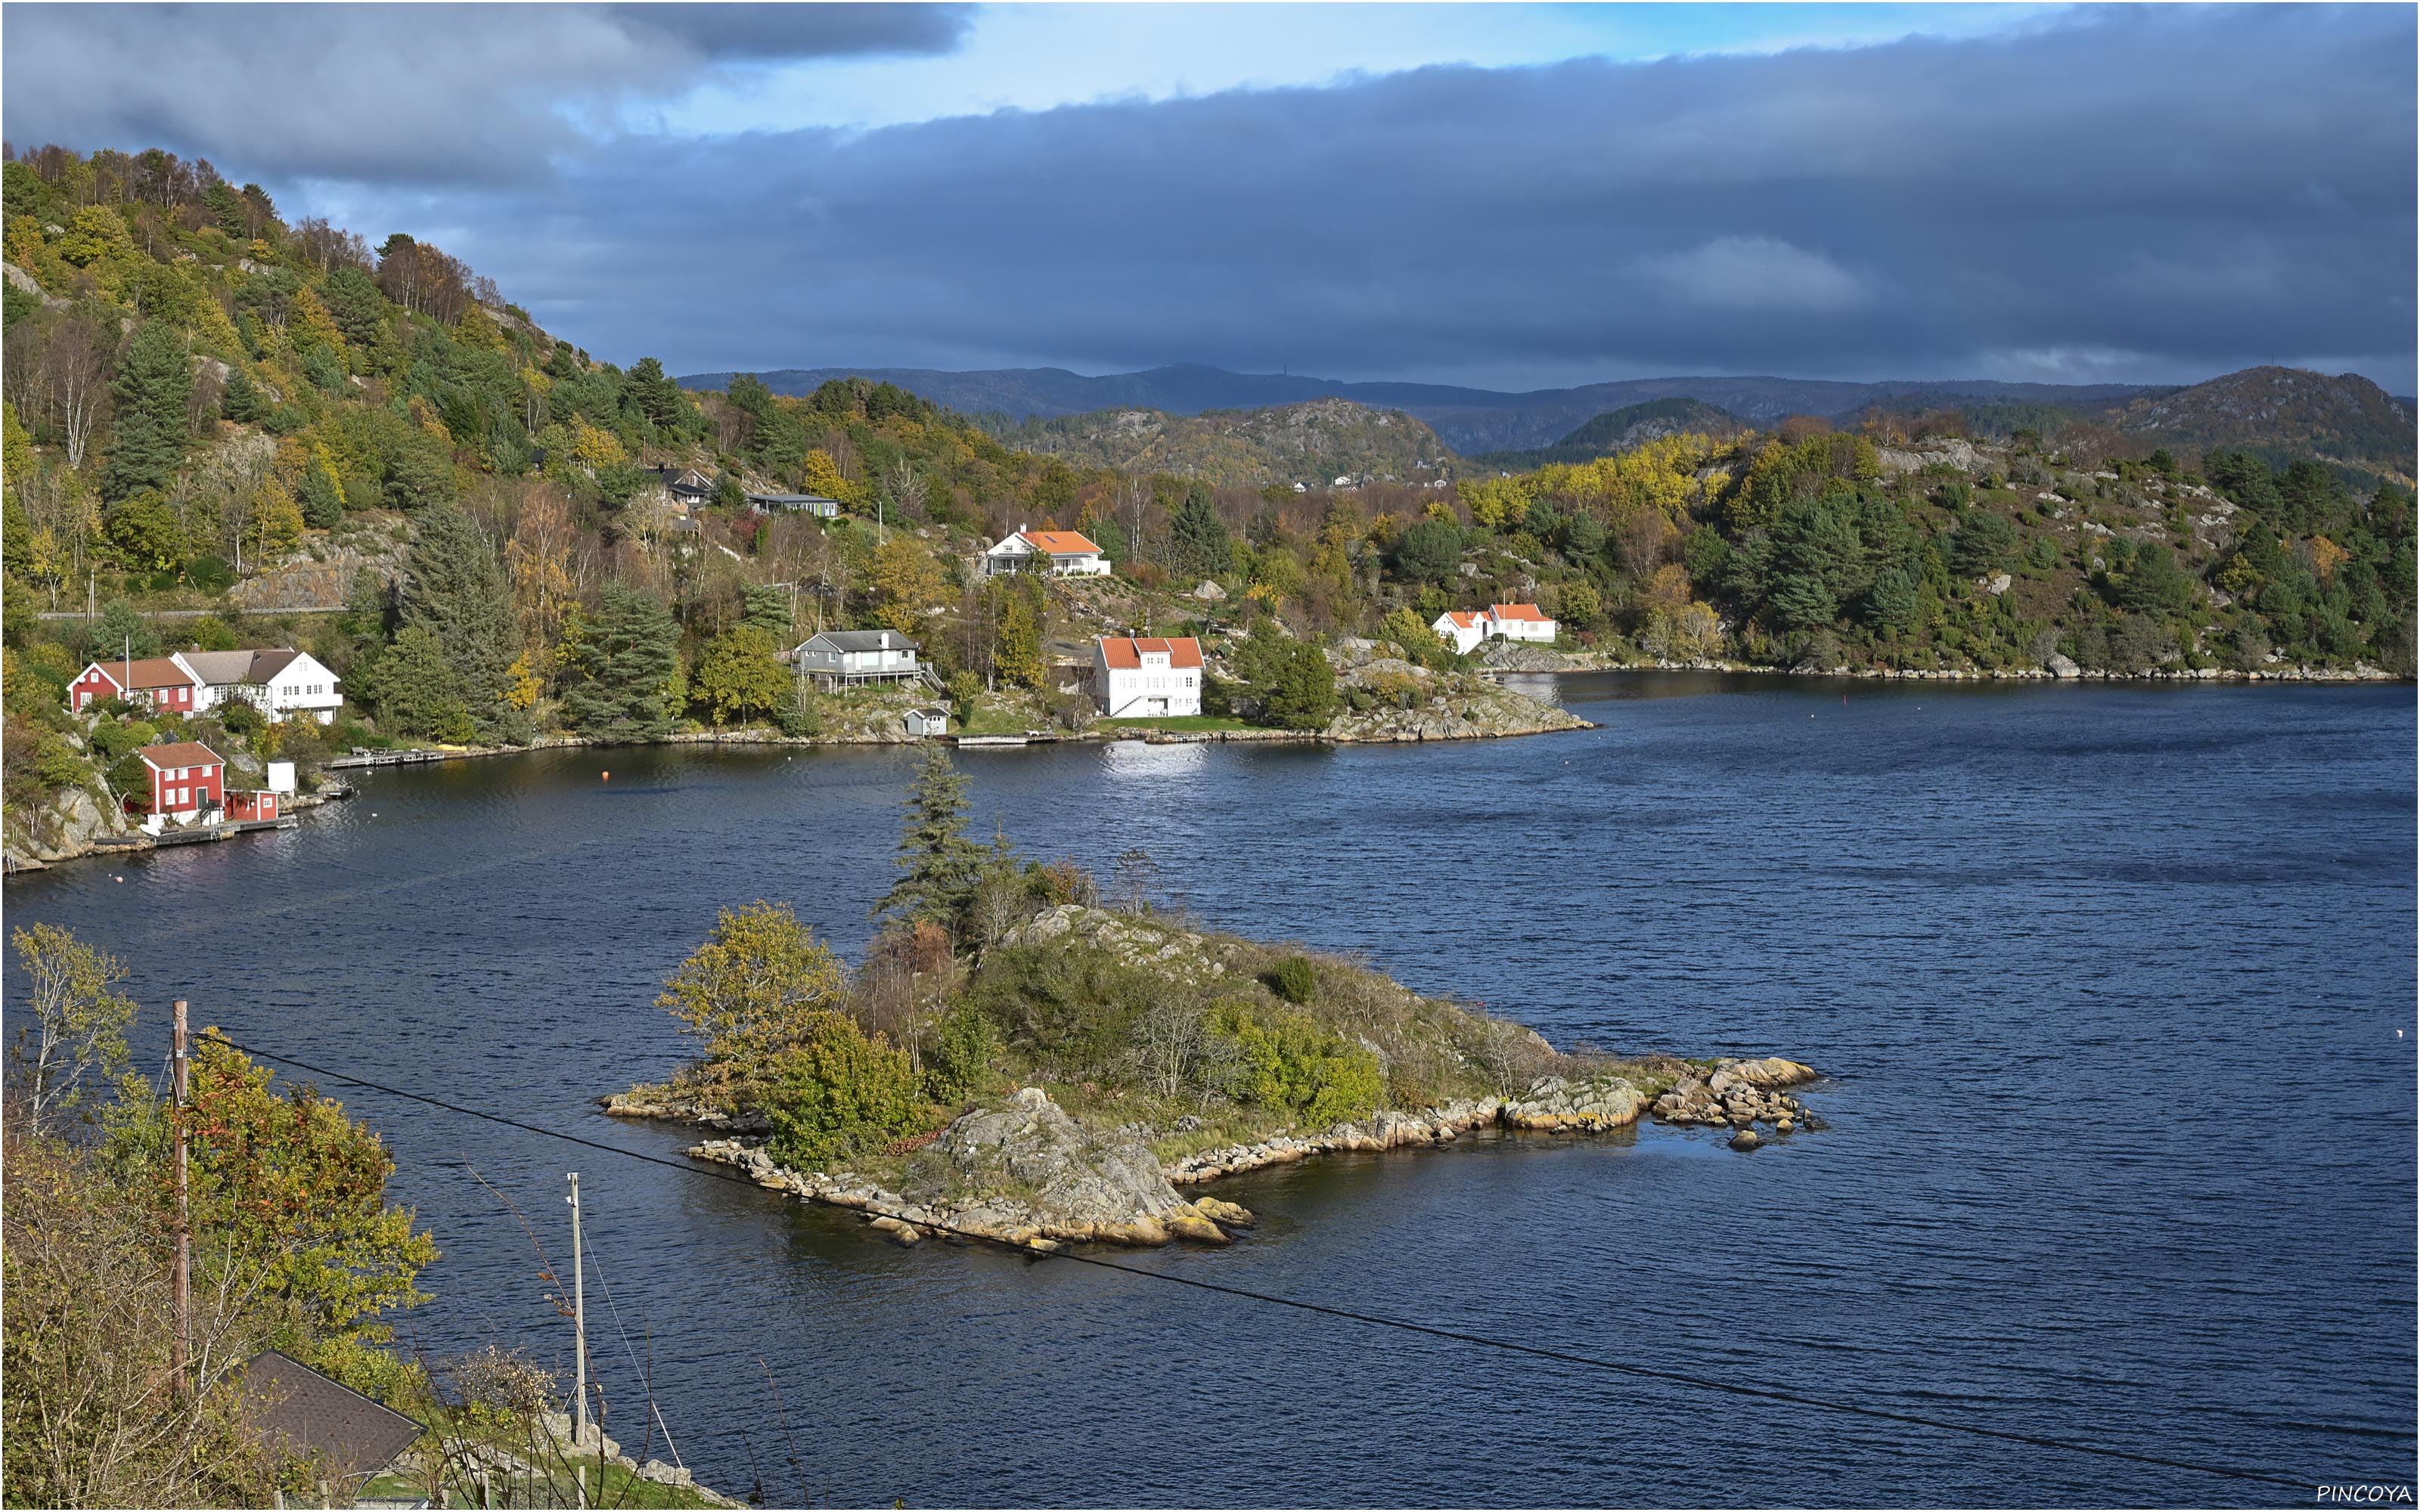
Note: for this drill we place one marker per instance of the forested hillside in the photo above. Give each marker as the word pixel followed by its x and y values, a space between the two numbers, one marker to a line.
pixel 214 410
pixel 1323 443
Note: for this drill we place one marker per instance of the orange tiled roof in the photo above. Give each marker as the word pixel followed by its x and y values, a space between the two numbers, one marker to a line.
pixel 1060 543
pixel 1467 619
pixel 1517 612
pixel 1125 653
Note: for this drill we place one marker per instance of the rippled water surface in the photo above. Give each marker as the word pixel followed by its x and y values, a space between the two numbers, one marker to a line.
pixel 2109 983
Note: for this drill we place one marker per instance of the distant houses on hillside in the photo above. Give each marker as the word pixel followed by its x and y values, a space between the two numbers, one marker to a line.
pixel 1061 553
pixel 1464 629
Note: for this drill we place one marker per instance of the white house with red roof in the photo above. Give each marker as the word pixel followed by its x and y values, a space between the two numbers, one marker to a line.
pixel 1061 553
pixel 1464 629
pixel 1141 677
pixel 168 684
pixel 1520 622
pixel 188 781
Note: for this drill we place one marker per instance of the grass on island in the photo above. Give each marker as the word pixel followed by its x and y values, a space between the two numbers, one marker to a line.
pixel 1177 721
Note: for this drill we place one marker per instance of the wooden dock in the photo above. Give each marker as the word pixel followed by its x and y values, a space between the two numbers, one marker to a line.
pixel 197 835
pixel 392 757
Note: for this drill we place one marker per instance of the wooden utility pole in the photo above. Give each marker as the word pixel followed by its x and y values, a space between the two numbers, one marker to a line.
pixel 180 1071
pixel 579 1324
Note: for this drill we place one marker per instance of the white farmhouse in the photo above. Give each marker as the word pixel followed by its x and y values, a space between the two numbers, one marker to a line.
pixel 1464 629
pixel 279 681
pixel 1520 622
pixel 1061 553
pixel 1145 676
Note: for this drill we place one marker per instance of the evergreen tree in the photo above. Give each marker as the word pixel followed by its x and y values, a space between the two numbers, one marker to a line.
pixel 242 402
pixel 322 500
pixel 658 397
pixel 623 667
pixel 768 608
pixel 1296 685
pixel 939 866
pixel 154 382
pixel 1016 641
pixel 454 588
pixel 1198 543
pixel 416 689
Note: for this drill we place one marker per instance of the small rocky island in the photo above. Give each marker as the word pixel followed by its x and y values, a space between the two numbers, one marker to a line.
pixel 1029 1059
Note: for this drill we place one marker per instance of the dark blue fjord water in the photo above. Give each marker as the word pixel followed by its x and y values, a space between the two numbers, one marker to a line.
pixel 2116 988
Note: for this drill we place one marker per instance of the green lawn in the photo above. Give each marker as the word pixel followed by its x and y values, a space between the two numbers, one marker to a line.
pixel 1178 721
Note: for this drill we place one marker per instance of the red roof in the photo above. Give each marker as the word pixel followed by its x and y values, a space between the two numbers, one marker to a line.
pixel 1060 543
pixel 1517 612
pixel 181 753
pixel 1467 619
pixel 1126 652
pixel 149 672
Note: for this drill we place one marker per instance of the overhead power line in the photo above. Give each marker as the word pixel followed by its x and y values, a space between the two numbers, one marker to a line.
pixel 1403 1325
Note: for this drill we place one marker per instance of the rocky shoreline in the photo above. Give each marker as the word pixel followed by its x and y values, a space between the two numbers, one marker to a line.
pixel 1021 1172
pixel 1536 661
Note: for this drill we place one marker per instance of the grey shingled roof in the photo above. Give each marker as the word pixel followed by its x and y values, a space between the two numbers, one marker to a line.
pixel 294 1409
pixel 222 668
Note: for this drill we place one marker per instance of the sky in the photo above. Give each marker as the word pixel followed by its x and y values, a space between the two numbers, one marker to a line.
pixel 1512 197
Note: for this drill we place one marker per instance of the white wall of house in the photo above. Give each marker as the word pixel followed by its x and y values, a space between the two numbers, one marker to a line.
pixel 1463 637
pixel 304 688
pixel 1524 629
pixel 1154 688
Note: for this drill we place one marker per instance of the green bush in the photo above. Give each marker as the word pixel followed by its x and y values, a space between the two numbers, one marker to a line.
pixel 958 1065
pixel 241 717
pixel 837 1092
pixel 113 740
pixel 1294 980
pixel 1288 1061
pixel 1069 1008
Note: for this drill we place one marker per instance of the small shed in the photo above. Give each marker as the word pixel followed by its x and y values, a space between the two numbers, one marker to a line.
pixel 294 1409
pixel 924 722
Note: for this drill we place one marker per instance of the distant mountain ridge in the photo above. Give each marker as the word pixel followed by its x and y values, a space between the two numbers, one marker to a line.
pixel 2282 414
pixel 1469 420
pixel 1621 430
pixel 1315 443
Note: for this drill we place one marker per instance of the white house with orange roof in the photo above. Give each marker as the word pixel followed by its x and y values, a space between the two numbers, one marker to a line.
pixel 1141 677
pixel 1464 629
pixel 1061 553
pixel 1520 622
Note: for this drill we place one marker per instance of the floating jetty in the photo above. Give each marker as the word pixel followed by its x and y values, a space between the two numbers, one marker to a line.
pixel 197 835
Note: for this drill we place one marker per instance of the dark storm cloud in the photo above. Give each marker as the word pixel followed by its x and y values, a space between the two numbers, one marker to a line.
pixel 2146 193
pixel 2131 194
pixel 426 93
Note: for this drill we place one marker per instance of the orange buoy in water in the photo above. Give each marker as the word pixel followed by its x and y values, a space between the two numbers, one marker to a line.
pixel 604 777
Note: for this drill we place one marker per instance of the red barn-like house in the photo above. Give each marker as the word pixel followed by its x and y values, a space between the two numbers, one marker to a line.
pixel 165 683
pixel 251 805
pixel 188 779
